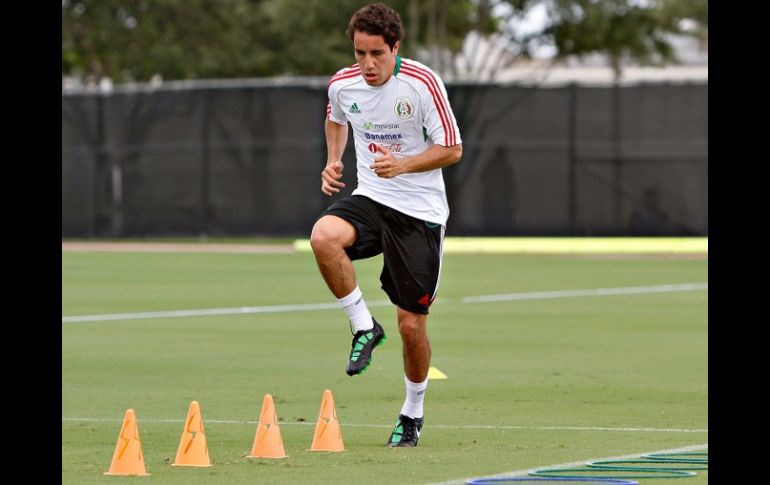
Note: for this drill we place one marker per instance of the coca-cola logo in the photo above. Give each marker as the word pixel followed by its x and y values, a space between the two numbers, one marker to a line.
pixel 393 147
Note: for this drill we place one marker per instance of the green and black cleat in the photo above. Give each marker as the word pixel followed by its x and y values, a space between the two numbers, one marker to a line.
pixel 364 341
pixel 406 434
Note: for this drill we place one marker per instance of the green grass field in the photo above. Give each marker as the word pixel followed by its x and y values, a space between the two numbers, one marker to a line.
pixel 532 383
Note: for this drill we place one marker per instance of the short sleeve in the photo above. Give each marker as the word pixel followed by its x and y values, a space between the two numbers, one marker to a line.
pixel 440 123
pixel 333 110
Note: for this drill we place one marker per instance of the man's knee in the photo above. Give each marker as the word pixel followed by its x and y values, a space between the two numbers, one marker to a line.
pixel 320 238
pixel 330 233
pixel 411 325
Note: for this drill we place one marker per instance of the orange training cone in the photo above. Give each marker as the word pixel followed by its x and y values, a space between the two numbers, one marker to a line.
pixel 328 436
pixel 128 458
pixel 268 442
pixel 193 450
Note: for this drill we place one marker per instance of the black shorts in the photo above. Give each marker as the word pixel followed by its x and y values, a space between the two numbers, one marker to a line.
pixel 411 249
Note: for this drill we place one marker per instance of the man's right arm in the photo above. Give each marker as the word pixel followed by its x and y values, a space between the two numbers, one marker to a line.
pixel 336 139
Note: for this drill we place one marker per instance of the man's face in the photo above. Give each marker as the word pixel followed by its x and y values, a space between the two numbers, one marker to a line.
pixel 375 57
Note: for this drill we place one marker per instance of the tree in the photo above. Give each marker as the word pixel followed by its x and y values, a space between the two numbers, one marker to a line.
pixel 179 39
pixel 495 41
pixel 621 30
pixel 195 39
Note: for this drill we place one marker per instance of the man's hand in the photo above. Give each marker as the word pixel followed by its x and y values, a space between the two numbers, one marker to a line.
pixel 386 166
pixel 330 178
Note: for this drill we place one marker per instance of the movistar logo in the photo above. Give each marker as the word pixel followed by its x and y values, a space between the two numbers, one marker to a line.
pixel 368 125
pixel 354 109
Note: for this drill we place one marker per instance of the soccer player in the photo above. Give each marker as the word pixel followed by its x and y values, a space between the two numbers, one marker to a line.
pixel 404 132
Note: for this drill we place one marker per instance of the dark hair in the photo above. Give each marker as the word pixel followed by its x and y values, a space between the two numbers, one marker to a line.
pixel 377 19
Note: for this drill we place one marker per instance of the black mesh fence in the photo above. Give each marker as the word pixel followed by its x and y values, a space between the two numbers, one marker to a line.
pixel 245 159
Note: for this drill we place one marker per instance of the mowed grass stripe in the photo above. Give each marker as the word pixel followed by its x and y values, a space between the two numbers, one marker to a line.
pixel 442 426
pixel 539 295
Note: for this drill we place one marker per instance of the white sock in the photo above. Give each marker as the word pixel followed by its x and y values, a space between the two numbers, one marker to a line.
pixel 415 396
pixel 355 307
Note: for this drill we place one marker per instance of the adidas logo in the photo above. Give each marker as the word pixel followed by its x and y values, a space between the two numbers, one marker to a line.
pixel 354 109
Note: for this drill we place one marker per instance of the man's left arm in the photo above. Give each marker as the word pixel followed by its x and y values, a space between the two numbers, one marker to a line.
pixel 438 156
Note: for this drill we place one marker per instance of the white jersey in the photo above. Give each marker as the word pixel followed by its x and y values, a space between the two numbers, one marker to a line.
pixel 407 115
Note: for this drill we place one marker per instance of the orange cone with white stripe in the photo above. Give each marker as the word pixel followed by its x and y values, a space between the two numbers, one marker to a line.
pixel 128 458
pixel 328 435
pixel 268 442
pixel 193 449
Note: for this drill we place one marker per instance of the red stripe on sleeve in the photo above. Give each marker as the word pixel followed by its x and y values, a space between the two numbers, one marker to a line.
pixel 345 75
pixel 429 79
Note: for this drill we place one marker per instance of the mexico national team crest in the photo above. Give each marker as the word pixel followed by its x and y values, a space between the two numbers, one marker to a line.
pixel 404 108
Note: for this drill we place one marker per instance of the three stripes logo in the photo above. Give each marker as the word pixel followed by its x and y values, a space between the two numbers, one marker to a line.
pixel 354 109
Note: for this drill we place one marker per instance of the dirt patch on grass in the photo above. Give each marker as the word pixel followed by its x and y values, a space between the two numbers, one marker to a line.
pixel 150 247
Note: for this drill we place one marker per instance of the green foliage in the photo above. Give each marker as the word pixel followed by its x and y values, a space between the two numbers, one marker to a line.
pixel 195 39
pixel 621 29
pixel 696 11
pixel 178 39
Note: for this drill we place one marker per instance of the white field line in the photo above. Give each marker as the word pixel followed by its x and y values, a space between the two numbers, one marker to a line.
pixel 520 473
pixel 630 290
pixel 439 426
pixel 212 311
pixel 537 295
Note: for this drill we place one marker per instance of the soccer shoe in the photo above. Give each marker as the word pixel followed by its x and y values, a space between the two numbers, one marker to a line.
pixel 406 433
pixel 364 341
